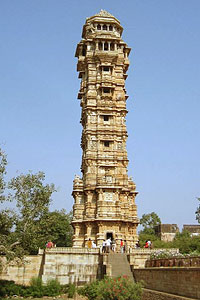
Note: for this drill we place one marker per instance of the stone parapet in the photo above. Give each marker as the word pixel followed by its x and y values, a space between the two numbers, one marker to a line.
pixel 174 262
pixel 138 257
pixel 176 281
pixel 73 250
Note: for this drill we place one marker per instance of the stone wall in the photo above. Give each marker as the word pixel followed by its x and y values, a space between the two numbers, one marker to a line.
pixel 72 265
pixel 176 281
pixel 138 257
pixel 22 273
pixel 166 232
pixel 68 265
pixel 154 295
pixel 193 229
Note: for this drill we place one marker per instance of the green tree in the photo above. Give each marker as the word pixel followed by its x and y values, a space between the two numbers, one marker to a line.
pixel 187 243
pixel 32 198
pixel 148 222
pixel 8 245
pixel 3 164
pixel 31 224
pixel 55 226
pixel 198 212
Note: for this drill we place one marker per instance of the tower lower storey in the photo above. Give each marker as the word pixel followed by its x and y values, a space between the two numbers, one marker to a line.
pixel 99 231
pixel 104 213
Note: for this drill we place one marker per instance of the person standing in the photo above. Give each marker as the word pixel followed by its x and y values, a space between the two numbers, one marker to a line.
pixel 89 244
pixel 122 246
pixel 104 247
pixel 113 245
pixel 49 245
pixel 108 244
pixel 94 245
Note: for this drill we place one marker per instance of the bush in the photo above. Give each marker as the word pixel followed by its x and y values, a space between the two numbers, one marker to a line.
pixel 53 288
pixel 36 287
pixel 35 290
pixel 9 288
pixel 71 290
pixel 121 288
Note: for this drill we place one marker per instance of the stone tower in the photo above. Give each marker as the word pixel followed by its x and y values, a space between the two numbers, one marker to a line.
pixel 104 198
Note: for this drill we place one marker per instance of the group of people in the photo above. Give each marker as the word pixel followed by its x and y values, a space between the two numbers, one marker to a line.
pixel 91 244
pixel 148 244
pixel 108 245
pixel 123 246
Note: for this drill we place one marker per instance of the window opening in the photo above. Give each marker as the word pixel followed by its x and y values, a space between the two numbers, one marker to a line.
pixel 106 46
pixel 106 118
pixel 104 27
pixel 106 69
pixel 84 51
pixel 106 90
pixel 110 28
pixel 100 46
pixel 98 27
pixel 112 47
pixel 106 143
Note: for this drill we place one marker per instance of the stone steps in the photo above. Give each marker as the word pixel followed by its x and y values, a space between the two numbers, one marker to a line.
pixel 119 265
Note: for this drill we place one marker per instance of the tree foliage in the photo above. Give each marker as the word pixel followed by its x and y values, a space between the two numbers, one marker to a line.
pixel 31 224
pixel 198 211
pixel 3 164
pixel 56 226
pixel 187 243
pixel 148 222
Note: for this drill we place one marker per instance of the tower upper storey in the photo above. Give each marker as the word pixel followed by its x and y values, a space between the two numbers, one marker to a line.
pixel 102 34
pixel 101 25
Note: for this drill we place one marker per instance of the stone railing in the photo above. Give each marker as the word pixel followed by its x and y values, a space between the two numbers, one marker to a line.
pixel 174 262
pixel 172 251
pixel 70 250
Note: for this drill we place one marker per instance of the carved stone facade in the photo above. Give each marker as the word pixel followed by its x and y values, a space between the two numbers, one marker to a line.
pixel 104 198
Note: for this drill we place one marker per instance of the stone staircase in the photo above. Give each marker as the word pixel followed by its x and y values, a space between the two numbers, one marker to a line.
pixel 119 265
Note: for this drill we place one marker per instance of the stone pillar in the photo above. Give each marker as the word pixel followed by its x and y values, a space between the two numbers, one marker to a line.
pixel 100 234
pixel 88 233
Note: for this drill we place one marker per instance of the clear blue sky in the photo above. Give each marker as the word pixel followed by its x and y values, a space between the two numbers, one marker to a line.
pixel 39 120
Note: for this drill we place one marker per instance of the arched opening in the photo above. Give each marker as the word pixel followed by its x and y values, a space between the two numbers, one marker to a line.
pixel 109 235
pixel 104 27
pixel 98 27
pixel 100 46
pixel 110 28
pixel 106 46
pixel 112 46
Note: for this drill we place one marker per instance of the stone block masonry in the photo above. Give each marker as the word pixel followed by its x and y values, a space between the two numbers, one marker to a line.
pixel 82 265
pixel 71 265
pixel 104 195
pixel 154 295
pixel 176 281
pixel 68 265
pixel 22 273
